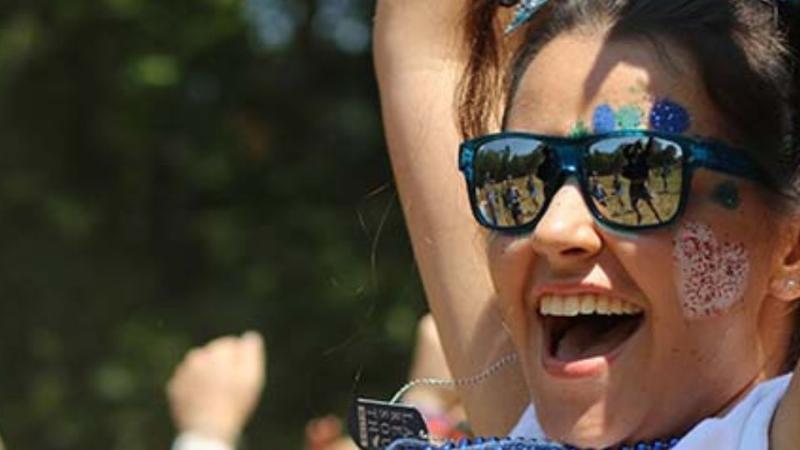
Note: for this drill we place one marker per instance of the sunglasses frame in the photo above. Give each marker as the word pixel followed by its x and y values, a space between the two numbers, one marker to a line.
pixel 570 151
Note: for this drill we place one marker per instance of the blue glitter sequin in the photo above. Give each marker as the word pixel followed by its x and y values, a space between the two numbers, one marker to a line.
pixel 604 120
pixel 669 117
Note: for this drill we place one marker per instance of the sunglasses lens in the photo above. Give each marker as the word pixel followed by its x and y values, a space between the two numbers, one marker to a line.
pixel 635 181
pixel 510 181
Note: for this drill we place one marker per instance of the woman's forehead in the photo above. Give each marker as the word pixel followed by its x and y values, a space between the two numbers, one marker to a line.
pixel 575 77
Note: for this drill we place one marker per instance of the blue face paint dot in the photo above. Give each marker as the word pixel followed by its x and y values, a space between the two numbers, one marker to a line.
pixel 604 120
pixel 727 195
pixel 669 117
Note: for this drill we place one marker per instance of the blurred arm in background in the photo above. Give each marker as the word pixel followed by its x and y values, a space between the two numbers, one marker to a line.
pixel 440 406
pixel 419 57
pixel 325 433
pixel 215 389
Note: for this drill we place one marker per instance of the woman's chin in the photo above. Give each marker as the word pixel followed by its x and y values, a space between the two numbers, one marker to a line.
pixel 586 425
pixel 593 427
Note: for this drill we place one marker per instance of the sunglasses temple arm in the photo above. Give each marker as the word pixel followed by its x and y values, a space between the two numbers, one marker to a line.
pixel 726 161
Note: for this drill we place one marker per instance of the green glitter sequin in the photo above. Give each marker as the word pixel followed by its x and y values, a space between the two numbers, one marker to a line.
pixel 579 130
pixel 629 118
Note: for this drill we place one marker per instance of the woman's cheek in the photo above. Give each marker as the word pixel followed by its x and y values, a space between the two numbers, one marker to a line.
pixel 509 260
pixel 711 275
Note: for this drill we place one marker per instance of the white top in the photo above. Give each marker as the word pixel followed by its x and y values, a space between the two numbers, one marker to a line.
pixel 194 441
pixel 745 427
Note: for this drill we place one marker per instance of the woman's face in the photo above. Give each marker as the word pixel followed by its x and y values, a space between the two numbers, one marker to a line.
pixel 690 326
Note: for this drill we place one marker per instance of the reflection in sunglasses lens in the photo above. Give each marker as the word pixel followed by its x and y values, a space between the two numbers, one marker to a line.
pixel 631 180
pixel 510 181
pixel 635 181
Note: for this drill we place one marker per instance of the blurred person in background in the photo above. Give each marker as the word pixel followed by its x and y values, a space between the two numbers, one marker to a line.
pixel 325 433
pixel 440 406
pixel 214 391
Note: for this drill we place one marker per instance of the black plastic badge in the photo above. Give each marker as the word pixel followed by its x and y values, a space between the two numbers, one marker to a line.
pixel 374 425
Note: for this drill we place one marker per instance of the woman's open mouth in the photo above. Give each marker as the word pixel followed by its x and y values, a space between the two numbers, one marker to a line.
pixel 579 329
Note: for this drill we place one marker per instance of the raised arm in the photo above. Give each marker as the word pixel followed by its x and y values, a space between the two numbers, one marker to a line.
pixel 419 57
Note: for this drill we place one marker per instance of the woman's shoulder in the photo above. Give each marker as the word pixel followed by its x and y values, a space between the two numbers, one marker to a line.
pixel 745 427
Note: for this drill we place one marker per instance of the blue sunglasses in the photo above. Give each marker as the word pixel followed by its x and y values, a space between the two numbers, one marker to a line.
pixel 630 180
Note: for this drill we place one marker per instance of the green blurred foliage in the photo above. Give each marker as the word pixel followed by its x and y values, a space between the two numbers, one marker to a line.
pixel 173 171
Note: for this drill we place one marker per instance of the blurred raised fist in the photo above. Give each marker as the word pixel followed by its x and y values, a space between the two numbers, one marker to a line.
pixel 215 388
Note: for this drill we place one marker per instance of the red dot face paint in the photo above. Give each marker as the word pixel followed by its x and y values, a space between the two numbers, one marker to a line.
pixel 712 276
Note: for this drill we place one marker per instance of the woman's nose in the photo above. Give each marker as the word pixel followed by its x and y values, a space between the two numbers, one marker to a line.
pixel 566 235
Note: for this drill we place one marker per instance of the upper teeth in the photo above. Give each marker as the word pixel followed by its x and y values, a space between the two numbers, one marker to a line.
pixel 573 305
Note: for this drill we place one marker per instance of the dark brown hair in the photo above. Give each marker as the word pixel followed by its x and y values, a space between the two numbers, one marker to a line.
pixel 745 59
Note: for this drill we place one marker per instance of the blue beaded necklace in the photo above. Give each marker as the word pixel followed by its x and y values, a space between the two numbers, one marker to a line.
pixel 519 444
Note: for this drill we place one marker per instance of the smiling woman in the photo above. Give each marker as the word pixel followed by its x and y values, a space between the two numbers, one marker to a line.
pixel 646 268
pixel 688 284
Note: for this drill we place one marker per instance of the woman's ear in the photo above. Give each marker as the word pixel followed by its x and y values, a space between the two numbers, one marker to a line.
pixel 785 282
